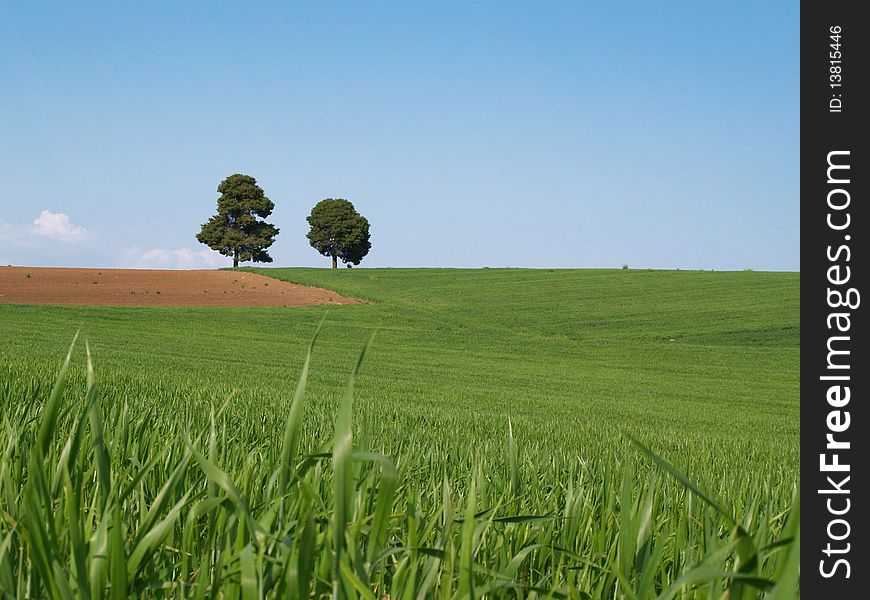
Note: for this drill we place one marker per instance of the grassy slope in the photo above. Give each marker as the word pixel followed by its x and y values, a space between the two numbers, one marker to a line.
pixel 702 366
pixel 679 357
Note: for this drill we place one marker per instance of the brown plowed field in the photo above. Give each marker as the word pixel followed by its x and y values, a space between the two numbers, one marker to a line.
pixel 140 287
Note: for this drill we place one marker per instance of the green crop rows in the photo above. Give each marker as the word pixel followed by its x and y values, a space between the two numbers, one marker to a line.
pixel 510 434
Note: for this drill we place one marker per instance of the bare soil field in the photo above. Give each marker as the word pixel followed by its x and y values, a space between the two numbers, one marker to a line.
pixel 140 287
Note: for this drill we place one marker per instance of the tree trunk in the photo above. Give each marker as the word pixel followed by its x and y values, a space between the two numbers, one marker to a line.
pixel 334 259
pixel 236 259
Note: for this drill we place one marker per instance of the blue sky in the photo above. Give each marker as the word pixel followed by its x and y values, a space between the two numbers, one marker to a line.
pixel 575 134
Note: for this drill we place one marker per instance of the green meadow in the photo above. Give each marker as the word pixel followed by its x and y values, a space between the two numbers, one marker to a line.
pixel 510 433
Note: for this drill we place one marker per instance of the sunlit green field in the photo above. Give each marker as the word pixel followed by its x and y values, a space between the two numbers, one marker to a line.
pixel 486 452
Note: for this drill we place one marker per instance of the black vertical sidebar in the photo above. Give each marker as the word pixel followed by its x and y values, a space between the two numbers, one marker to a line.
pixel 835 221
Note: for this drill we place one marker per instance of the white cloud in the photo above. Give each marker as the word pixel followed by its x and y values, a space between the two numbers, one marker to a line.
pixel 178 258
pixel 57 226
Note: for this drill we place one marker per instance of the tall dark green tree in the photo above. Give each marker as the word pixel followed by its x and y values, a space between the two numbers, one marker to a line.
pixel 239 229
pixel 339 231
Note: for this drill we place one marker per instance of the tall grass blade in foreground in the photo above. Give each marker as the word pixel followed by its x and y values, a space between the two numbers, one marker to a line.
pixel 745 580
pixel 293 428
pixel 342 448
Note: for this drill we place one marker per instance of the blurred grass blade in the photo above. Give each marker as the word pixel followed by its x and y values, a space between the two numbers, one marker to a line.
pixel 384 502
pixel 673 472
pixel 155 534
pixel 248 574
pixel 104 474
pixel 705 574
pixel 220 479
pixel 466 549
pixel 342 448
pixel 512 461
pixel 49 413
pixel 787 573
pixel 117 557
pixel 162 499
pixel 78 550
pixel 293 427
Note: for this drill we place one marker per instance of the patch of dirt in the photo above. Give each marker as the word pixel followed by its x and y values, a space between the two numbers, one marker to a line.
pixel 140 287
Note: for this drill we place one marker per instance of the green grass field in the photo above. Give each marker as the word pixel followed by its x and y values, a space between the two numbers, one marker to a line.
pixel 197 489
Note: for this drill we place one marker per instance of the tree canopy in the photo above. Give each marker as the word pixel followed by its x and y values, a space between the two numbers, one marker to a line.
pixel 239 229
pixel 339 231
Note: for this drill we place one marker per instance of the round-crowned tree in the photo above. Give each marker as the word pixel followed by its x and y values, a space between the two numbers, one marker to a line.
pixel 339 231
pixel 239 228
